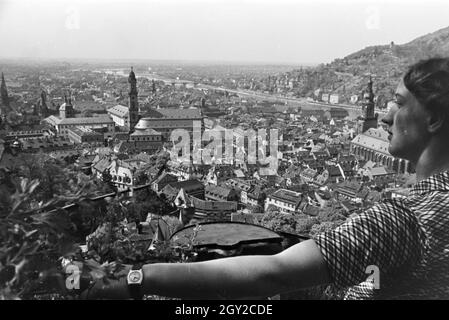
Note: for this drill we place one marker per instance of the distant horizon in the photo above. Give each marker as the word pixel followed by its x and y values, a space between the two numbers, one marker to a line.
pixel 158 61
pixel 276 32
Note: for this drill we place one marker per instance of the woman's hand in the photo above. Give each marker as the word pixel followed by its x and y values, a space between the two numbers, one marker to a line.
pixel 106 287
pixel 110 289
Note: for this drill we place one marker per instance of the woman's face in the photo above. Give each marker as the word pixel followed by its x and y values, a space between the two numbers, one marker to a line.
pixel 407 127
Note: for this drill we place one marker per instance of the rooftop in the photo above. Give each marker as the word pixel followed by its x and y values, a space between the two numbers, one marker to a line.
pixel 145 132
pixel 376 139
pixel 217 190
pixel 173 114
pixel 287 195
pixel 91 120
pixel 208 205
pixel 187 185
pixel 119 110
pixel 100 119
pixel 81 131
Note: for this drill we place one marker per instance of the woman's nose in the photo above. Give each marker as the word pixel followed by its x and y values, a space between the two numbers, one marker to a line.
pixel 388 119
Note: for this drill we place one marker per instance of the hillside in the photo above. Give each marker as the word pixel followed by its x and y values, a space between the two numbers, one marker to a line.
pixel 349 75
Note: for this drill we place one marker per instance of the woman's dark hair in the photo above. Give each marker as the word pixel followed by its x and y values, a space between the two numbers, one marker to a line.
pixel 428 81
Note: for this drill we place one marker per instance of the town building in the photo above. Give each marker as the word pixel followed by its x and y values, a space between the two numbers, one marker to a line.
pixel 25 134
pixel 101 123
pixel 372 145
pixel 199 210
pixel 44 144
pixel 85 135
pixel 286 201
pixel 123 173
pixel 338 113
pixel 217 193
pixel 254 196
pixel 193 188
pixel 182 170
pixel 161 181
pixel 167 120
pixel 350 190
pixel 148 140
pixel 207 210
pixel 119 115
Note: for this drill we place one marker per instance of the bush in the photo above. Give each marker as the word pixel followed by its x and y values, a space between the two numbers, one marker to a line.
pixel 281 222
pixel 303 226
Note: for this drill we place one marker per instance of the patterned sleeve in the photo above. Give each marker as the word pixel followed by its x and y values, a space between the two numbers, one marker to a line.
pixel 386 235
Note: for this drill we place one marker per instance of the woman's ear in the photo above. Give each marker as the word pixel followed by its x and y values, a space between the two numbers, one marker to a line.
pixel 436 122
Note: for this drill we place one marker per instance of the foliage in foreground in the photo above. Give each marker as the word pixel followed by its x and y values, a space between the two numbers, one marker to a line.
pixel 38 236
pixel 38 243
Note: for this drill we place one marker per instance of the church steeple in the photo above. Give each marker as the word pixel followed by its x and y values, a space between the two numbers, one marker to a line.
pixel 153 86
pixel 43 109
pixel 370 119
pixel 4 96
pixel 133 82
pixel 133 108
pixel 370 100
pixel 66 109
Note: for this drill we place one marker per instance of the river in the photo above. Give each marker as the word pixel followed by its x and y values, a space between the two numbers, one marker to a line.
pixel 353 110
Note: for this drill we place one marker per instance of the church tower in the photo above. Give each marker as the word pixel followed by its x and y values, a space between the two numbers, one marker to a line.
pixel 66 109
pixel 153 86
pixel 42 105
pixel 133 108
pixel 370 119
pixel 5 98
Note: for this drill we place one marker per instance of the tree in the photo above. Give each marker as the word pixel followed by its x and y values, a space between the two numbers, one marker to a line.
pixel 140 178
pixel 277 221
pixel 254 208
pixel 303 226
pixel 299 224
pixel 32 239
pixel 331 213
pixel 106 177
pixel 49 172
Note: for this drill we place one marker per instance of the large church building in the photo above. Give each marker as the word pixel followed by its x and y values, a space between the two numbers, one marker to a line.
pixel 371 144
pixel 155 122
pixel 126 117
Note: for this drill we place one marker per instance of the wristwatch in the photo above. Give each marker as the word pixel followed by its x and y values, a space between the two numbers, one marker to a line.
pixel 134 280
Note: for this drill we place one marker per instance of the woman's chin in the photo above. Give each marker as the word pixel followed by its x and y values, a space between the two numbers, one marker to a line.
pixel 393 151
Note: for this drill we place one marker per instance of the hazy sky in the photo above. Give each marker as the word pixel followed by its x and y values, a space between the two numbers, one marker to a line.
pixel 282 31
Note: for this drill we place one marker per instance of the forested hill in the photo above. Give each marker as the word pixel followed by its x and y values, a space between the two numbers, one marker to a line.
pixel 349 75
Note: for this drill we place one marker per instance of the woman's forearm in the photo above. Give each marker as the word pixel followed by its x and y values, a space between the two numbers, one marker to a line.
pixel 300 266
pixel 227 278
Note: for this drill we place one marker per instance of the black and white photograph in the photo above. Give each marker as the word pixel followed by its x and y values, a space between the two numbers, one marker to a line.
pixel 251 151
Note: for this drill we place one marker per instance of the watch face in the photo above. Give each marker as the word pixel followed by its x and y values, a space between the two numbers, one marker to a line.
pixel 135 276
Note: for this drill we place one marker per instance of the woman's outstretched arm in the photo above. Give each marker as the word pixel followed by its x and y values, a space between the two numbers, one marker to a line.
pixel 299 266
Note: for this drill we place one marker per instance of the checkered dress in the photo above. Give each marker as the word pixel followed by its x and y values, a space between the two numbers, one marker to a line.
pixel 407 239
